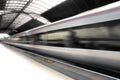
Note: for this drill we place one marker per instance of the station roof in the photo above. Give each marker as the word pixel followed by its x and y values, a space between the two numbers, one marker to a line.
pixel 20 15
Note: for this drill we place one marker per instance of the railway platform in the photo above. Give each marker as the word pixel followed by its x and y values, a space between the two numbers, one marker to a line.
pixel 17 64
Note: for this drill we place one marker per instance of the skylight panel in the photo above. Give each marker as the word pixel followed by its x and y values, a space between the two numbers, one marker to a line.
pixel 22 19
pixel 35 9
pixel 41 3
pixel 15 4
pixel 2 12
pixel 52 2
pixel 38 6
pixel 32 10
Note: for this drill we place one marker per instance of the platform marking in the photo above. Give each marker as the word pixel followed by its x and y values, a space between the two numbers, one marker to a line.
pixel 45 59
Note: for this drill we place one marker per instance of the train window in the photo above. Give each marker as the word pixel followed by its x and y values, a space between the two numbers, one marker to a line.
pixel 115 31
pixel 95 32
pixel 15 39
pixel 55 36
pixel 109 30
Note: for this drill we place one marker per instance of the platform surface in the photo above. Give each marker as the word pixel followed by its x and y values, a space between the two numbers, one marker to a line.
pixel 15 66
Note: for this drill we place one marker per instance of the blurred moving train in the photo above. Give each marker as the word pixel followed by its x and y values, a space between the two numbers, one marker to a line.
pixel 91 38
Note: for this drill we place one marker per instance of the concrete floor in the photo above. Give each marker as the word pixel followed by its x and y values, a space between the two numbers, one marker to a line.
pixel 15 66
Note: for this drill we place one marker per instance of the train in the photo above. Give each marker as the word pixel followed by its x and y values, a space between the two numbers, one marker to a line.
pixel 91 38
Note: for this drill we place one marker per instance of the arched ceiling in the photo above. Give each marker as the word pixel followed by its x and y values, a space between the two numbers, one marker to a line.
pixel 20 15
pixel 15 13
